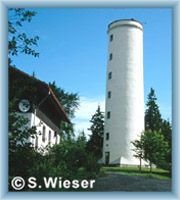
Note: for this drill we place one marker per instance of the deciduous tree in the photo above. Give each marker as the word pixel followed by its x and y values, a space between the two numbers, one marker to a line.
pixel 138 149
pixel 18 41
pixel 155 147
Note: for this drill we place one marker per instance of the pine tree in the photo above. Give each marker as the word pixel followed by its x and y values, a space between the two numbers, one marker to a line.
pixel 166 131
pixel 155 143
pixel 95 143
pixel 153 118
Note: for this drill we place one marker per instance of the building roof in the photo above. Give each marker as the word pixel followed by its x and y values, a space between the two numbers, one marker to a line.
pixel 52 105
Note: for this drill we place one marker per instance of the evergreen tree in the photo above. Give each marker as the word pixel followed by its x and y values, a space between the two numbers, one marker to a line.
pixel 152 114
pixel 155 143
pixel 154 122
pixel 95 143
pixel 166 131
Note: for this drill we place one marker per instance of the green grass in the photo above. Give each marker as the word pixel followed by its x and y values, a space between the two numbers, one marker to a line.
pixel 134 171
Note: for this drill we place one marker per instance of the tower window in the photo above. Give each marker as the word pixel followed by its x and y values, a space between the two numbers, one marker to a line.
pixel 44 134
pixel 110 75
pixel 111 38
pixel 110 56
pixel 107 136
pixel 109 94
pixel 108 115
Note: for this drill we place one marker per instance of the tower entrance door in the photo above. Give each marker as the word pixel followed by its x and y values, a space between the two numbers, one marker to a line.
pixel 107 156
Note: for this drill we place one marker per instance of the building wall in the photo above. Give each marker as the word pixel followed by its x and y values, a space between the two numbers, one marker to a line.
pixel 41 139
pixel 126 99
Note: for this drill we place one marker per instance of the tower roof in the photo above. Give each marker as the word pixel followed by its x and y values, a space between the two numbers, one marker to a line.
pixel 125 22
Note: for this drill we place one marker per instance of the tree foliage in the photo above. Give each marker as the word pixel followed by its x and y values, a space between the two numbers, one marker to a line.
pixel 64 159
pixel 154 144
pixel 95 143
pixel 138 149
pixel 155 147
pixel 70 101
pixel 166 131
pixel 68 160
pixel 151 147
pixel 153 118
pixel 18 40
pixel 21 152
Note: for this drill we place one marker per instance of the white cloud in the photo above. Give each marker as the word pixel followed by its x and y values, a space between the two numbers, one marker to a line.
pixel 87 108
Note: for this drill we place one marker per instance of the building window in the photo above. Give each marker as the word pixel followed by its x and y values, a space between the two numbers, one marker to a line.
pixel 55 133
pixel 107 136
pixel 110 75
pixel 56 137
pixel 109 94
pixel 44 134
pixel 36 142
pixel 111 37
pixel 49 137
pixel 110 56
pixel 108 115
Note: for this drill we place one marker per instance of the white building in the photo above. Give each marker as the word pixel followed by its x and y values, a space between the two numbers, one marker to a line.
pixel 124 119
pixel 37 102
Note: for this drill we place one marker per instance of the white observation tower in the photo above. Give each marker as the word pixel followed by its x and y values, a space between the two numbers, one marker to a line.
pixel 124 118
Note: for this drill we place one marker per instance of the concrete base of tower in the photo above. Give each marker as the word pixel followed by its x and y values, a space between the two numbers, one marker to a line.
pixel 122 161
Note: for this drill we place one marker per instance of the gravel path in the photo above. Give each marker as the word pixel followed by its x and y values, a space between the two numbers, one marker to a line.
pixel 121 182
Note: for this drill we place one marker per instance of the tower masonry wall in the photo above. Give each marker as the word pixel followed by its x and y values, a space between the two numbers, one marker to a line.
pixel 126 103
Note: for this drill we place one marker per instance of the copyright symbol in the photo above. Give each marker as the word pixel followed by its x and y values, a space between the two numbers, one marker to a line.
pixel 18 183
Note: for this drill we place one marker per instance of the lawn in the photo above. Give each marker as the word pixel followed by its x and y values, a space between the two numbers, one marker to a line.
pixel 134 171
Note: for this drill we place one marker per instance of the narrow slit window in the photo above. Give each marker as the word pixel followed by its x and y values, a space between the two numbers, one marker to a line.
pixel 111 37
pixel 110 56
pixel 109 94
pixel 107 136
pixel 108 115
pixel 110 75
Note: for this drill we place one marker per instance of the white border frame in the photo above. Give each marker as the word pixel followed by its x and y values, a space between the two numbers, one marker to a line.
pixel 4 5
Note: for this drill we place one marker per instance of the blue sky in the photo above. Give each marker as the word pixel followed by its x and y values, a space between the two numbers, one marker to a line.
pixel 73 52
